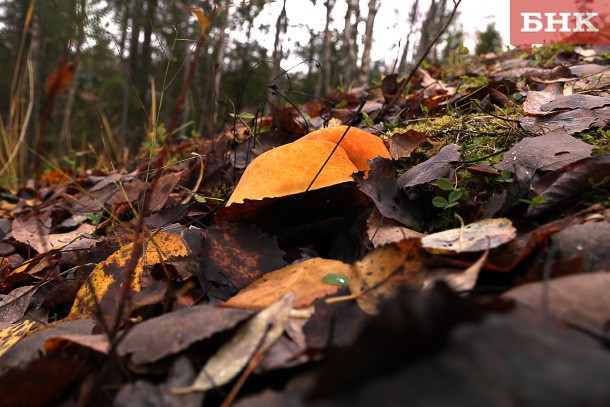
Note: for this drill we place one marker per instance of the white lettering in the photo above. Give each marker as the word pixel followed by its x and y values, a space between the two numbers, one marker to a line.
pixel 563 21
pixel 580 22
pixel 528 21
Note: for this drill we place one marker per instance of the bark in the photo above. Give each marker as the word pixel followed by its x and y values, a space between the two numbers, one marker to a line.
pixel 65 137
pixel 428 26
pixel 130 69
pixel 323 84
pixel 280 29
pixel 349 46
pixel 365 64
pixel 146 54
pixel 411 21
pixel 218 70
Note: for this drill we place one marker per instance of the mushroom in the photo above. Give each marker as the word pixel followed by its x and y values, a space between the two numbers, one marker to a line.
pixel 359 145
pixel 289 169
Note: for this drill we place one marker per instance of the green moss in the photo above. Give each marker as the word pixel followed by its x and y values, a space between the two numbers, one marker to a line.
pixel 599 138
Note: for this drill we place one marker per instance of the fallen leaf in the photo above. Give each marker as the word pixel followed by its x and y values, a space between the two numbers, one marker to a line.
pixel 382 231
pixel 580 301
pixel 235 354
pixel 180 330
pixel 105 282
pixel 439 166
pixel 32 346
pixel 305 278
pixel 474 237
pixel 382 188
pixel 562 186
pixel 14 305
pixel 402 144
pixel 572 121
pixel 233 255
pixel 10 335
pixel 549 152
pixel 379 275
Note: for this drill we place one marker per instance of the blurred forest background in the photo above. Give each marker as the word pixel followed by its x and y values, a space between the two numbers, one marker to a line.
pixel 129 59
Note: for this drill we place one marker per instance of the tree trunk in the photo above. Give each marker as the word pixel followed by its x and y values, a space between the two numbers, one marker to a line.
pixel 280 29
pixel 412 19
pixel 146 55
pixel 130 69
pixel 349 48
pixel 65 137
pixel 218 70
pixel 428 25
pixel 323 83
pixel 365 64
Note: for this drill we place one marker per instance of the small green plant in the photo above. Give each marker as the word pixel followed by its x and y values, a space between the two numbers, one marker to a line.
pixel 455 194
pixel 505 177
pixel 537 200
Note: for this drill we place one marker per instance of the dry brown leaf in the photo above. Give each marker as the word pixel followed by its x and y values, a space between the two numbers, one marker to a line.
pixel 266 326
pixel 304 278
pixel 379 274
pixel 106 279
pixel 12 334
pixel 474 237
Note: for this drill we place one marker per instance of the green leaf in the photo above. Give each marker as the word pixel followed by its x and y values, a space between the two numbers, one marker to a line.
pixel 455 195
pixel 451 205
pixel 439 202
pixel 336 279
pixel 246 115
pixel 444 184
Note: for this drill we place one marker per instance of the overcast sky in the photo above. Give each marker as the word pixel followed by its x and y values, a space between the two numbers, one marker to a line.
pixel 390 23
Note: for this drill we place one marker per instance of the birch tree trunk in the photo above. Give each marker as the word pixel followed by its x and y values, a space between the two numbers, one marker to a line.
pixel 323 84
pixel 218 70
pixel 349 46
pixel 277 56
pixel 65 137
pixel 412 19
pixel 130 69
pixel 365 63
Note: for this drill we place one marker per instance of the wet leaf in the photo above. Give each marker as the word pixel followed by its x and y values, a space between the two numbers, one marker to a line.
pixel 305 278
pixel 474 237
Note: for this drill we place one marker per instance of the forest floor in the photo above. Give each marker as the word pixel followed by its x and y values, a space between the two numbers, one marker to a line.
pixel 470 268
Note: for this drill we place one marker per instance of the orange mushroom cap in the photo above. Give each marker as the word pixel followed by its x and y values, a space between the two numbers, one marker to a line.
pixel 359 145
pixel 289 169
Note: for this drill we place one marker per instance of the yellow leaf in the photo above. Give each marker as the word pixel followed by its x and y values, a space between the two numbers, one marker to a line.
pixel 105 281
pixel 379 274
pixel 11 335
pixel 203 19
pixel 304 278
